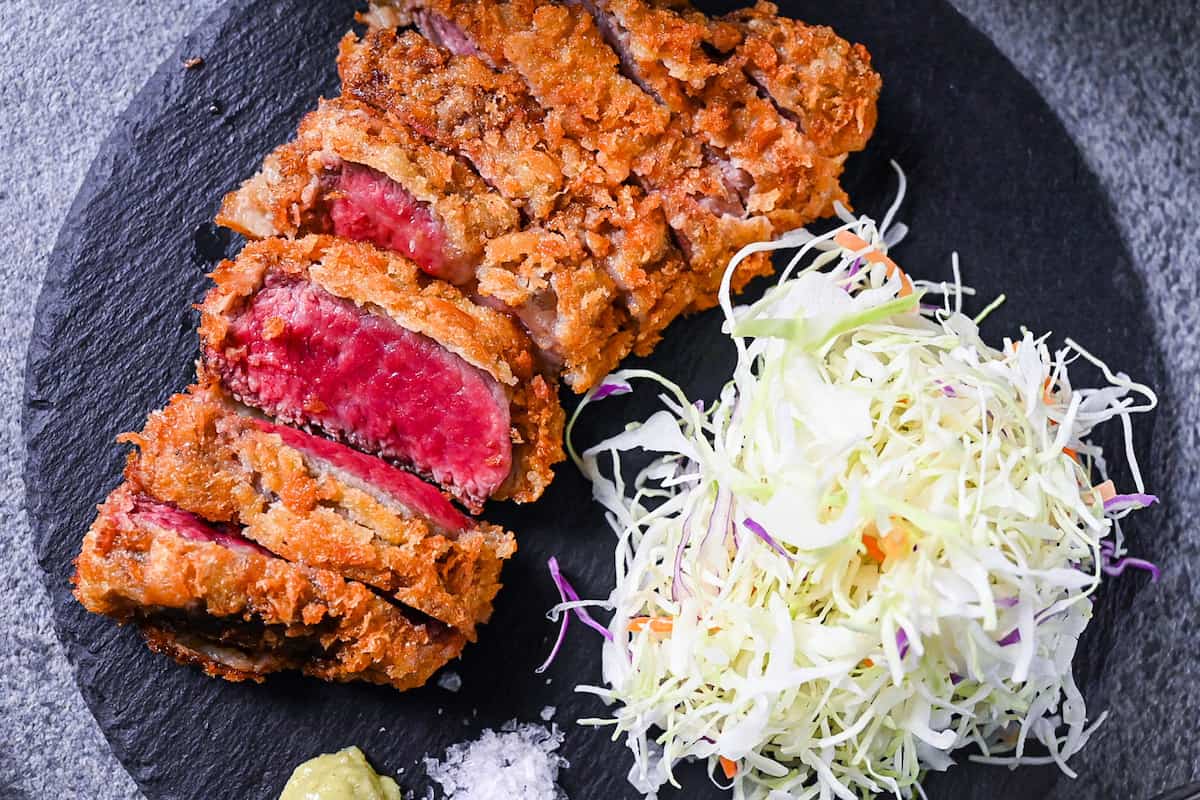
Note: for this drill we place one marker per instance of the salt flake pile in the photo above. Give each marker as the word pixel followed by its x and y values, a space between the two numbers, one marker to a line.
pixel 878 546
pixel 520 761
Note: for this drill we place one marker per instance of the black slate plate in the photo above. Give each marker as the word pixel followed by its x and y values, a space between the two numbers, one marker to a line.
pixel 992 174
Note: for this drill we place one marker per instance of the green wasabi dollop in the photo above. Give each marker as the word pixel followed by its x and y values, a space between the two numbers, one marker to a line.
pixel 344 775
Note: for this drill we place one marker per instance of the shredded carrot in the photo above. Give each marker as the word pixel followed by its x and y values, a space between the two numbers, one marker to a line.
pixel 1106 490
pixel 873 549
pixel 892 545
pixel 850 241
pixel 866 662
pixel 1072 454
pixel 728 767
pixel 1047 395
pixel 895 543
pixel 657 624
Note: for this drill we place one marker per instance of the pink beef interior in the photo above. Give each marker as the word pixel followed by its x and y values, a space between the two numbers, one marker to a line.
pixel 371 207
pixel 445 33
pixel 405 488
pixel 304 356
pixel 186 524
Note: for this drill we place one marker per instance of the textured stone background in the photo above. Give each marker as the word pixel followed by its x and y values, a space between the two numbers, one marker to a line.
pixel 1124 76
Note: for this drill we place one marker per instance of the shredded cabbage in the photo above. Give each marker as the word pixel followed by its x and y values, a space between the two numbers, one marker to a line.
pixel 877 546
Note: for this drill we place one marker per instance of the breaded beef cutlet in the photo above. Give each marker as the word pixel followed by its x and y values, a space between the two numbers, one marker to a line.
pixel 489 118
pixel 320 503
pixel 357 342
pixel 438 93
pixel 204 595
pixel 614 282
pixel 685 102
pixel 351 173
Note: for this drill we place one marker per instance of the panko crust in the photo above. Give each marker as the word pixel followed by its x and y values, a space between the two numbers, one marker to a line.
pixel 823 81
pixel 568 68
pixel 389 284
pixel 788 180
pixel 462 105
pixel 563 58
pixel 573 314
pixel 311 620
pixel 203 456
pixel 627 230
pixel 288 196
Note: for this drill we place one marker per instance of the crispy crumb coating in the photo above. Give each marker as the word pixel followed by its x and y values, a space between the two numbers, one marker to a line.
pixel 596 220
pixel 782 174
pixel 818 78
pixel 571 313
pixel 464 106
pixel 241 614
pixel 289 195
pixel 566 65
pixel 202 455
pixel 388 284
pixel 576 77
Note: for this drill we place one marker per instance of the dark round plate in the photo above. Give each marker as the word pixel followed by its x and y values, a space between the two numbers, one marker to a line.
pixel 991 174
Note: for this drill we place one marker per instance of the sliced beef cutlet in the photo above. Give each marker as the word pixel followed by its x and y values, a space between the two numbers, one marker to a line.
pixel 351 173
pixel 555 54
pixel 683 103
pixel 320 503
pixel 591 283
pixel 781 172
pixel 463 105
pixel 203 594
pixel 357 342
pixel 815 77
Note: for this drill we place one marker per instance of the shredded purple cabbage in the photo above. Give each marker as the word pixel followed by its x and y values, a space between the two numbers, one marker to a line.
pixel 902 642
pixel 566 592
pixel 949 390
pixel 565 588
pixel 955 678
pixel 677 572
pixel 1007 602
pixel 1013 637
pixel 609 389
pixel 718 520
pixel 1117 567
pixel 1120 502
pixel 761 532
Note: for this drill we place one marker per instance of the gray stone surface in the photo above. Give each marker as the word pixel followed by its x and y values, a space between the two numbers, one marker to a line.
pixel 1124 76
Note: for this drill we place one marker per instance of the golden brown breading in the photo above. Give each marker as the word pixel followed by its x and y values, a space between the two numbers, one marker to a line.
pixel 811 73
pixel 625 231
pixel 240 613
pixel 386 283
pixel 567 66
pixel 464 106
pixel 201 455
pixel 575 76
pixel 572 313
pixel 781 173
pixel 290 194
pixel 600 219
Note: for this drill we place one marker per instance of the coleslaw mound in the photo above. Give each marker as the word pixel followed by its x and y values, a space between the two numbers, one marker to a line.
pixel 876 547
